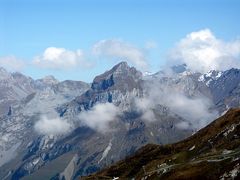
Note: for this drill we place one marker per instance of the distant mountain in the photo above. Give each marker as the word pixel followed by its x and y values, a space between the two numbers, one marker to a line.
pixel 25 101
pixel 144 113
pixel 116 86
pixel 211 153
pixel 221 87
pixel 13 87
pixel 224 87
pixel 179 68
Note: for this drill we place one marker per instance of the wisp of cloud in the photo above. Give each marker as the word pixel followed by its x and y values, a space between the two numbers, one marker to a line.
pixel 52 126
pixel 99 117
pixel 195 110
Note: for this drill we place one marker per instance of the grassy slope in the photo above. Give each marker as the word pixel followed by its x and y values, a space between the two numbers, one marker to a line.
pixel 208 157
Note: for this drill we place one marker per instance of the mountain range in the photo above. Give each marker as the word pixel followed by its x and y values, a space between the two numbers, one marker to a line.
pixel 54 130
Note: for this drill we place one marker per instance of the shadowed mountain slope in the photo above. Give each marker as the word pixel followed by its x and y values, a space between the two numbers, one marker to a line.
pixel 211 153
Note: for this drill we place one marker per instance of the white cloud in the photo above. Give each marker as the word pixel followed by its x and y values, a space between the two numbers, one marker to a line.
pixel 60 58
pixel 11 63
pixel 99 117
pixel 52 126
pixel 115 48
pixel 145 105
pixel 195 110
pixel 202 52
pixel 183 125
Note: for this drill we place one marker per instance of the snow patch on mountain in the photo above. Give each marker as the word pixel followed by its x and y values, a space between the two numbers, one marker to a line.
pixel 210 76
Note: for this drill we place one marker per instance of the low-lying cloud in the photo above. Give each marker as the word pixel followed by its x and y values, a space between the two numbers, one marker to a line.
pixel 52 126
pixel 115 48
pixel 99 117
pixel 201 51
pixel 61 58
pixel 195 110
pixel 145 106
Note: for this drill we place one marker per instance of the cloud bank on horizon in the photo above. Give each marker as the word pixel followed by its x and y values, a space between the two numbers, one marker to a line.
pixel 201 51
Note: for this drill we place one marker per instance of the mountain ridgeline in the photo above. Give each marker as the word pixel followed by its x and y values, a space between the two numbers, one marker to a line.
pixel 70 129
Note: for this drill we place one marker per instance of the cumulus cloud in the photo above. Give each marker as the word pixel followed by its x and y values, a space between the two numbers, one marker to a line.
pixel 115 48
pixel 12 63
pixel 52 126
pixel 202 52
pixel 99 117
pixel 61 58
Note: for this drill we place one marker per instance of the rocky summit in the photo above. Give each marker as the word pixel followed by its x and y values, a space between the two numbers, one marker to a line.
pixel 70 129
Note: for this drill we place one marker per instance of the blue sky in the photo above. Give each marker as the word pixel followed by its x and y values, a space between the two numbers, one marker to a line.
pixel 153 27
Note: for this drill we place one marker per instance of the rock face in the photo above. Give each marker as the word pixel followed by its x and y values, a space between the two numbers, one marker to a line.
pixel 225 88
pixel 26 100
pixel 214 156
pixel 13 87
pixel 85 149
pixel 116 86
pixel 121 77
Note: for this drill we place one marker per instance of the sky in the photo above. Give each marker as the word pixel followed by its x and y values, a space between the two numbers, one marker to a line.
pixel 79 39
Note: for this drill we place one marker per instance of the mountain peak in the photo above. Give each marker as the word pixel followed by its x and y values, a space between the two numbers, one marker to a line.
pixel 122 65
pixel 3 71
pixel 121 73
pixel 50 79
pixel 121 68
pixel 4 74
pixel 179 68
